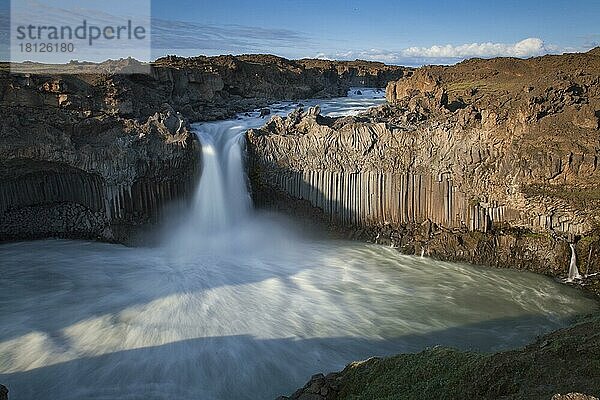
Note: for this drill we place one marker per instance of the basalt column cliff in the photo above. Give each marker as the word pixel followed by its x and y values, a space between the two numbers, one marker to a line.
pixel 489 161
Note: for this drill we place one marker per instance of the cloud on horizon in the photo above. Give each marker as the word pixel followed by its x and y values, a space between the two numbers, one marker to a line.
pixel 525 48
pixel 449 54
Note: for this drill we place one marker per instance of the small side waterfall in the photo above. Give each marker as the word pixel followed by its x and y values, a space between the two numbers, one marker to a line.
pixel 573 271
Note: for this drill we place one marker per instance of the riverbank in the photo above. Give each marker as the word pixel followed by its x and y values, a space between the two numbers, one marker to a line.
pixel 490 162
pixel 246 313
pixel 565 361
pixel 451 169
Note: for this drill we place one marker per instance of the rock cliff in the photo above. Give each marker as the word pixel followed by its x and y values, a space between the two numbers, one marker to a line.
pixel 360 73
pixel 489 161
pixel 218 87
pixel 99 155
pixel 70 166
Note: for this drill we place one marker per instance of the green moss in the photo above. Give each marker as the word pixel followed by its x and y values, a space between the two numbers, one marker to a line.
pixel 435 373
pixel 589 240
pixel 474 201
pixel 536 235
pixel 537 371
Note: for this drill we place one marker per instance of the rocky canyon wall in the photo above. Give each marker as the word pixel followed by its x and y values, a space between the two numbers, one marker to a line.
pixel 360 73
pixel 86 173
pixel 100 155
pixel 207 88
pixel 489 161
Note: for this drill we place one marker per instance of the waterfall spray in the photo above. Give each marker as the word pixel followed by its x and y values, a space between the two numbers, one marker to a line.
pixel 221 214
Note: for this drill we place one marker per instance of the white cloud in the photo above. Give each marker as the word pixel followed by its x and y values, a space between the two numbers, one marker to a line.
pixel 525 48
pixel 448 54
pixel 322 56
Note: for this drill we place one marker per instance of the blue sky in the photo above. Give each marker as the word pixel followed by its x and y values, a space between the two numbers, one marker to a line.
pixel 401 32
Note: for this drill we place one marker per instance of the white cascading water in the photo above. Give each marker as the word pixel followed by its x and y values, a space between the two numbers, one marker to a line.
pixel 238 305
pixel 573 270
pixel 222 198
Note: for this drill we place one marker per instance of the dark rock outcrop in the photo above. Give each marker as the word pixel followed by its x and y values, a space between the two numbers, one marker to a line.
pixel 68 173
pixel 319 387
pixel 360 73
pixel 489 161
pixel 207 88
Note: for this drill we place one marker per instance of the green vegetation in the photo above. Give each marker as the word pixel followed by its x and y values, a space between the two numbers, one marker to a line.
pixel 474 201
pixel 587 241
pixel 536 235
pixel 437 373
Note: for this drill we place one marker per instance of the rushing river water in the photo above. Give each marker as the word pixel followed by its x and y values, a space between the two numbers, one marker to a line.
pixel 238 304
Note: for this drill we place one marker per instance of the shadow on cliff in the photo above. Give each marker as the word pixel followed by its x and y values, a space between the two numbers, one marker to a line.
pixel 306 203
pixel 238 367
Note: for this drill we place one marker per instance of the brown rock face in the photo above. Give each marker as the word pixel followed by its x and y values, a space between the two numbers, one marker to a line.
pixel 360 73
pixel 488 161
pixel 421 83
pixel 248 81
pixel 68 175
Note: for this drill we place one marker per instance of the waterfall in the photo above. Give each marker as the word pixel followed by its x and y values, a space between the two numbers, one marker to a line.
pixel 220 217
pixel 236 304
pixel 573 271
pixel 222 198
